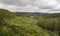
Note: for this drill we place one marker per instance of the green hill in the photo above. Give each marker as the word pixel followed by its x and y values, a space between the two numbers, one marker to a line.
pixel 12 25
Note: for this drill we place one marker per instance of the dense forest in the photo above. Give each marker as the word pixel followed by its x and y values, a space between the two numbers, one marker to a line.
pixel 15 24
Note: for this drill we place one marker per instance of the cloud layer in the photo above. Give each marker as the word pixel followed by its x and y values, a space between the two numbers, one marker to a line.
pixel 45 6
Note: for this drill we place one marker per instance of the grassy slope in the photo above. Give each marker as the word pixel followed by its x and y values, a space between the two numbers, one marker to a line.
pixel 22 26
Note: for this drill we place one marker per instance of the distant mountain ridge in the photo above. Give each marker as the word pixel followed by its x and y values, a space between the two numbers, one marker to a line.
pixel 31 13
pixel 38 14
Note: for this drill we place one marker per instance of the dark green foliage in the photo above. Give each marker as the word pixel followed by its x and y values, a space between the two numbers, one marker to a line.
pixel 50 24
pixel 6 14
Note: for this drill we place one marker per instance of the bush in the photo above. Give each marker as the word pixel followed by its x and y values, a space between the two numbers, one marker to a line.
pixel 52 24
pixel 22 26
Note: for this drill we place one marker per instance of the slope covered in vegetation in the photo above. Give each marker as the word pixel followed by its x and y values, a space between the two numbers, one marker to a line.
pixel 12 25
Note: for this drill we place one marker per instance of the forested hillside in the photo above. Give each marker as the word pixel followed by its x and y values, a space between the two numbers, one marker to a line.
pixel 12 24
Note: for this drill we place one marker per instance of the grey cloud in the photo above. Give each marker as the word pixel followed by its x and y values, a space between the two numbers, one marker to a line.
pixel 16 2
pixel 33 5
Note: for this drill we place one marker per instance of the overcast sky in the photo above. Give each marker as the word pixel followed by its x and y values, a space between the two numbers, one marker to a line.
pixel 44 6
